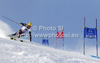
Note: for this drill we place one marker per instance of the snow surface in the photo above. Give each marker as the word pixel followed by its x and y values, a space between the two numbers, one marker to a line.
pixel 28 52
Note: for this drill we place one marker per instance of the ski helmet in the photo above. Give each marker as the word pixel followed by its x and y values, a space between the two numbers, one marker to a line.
pixel 30 24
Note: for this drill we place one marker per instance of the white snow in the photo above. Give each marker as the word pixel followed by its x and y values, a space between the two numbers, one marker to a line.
pixel 17 52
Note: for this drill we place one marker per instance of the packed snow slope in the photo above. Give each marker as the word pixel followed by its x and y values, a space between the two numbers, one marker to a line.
pixel 27 52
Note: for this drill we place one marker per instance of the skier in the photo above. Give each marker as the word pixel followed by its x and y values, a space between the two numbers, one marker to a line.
pixel 22 31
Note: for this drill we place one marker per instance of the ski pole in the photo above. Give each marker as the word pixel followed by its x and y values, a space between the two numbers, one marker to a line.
pixel 10 20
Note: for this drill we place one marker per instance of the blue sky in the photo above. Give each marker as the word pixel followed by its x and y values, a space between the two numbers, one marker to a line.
pixel 67 13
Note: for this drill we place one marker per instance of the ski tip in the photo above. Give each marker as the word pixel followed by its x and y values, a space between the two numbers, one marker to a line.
pixel 22 40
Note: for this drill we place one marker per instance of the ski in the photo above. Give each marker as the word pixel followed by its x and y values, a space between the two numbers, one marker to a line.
pixel 17 39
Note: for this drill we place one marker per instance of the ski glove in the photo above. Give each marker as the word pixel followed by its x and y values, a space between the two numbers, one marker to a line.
pixel 23 24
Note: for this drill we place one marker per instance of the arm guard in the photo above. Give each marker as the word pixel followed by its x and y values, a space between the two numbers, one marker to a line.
pixel 30 36
pixel 23 24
